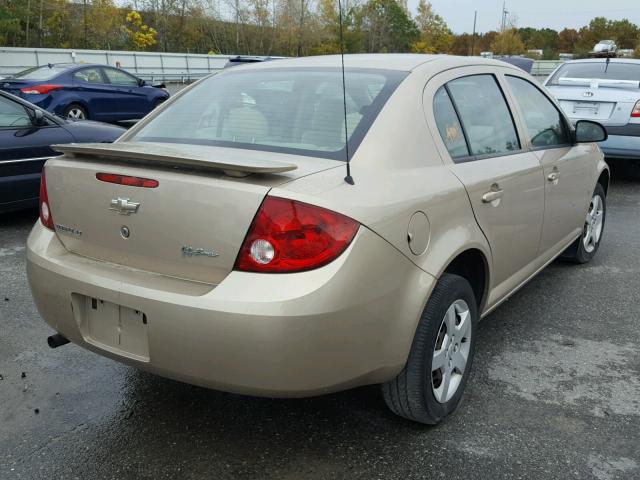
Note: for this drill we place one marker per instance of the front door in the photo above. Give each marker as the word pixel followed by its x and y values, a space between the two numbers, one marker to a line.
pixel 24 148
pixel 565 166
pixel 504 181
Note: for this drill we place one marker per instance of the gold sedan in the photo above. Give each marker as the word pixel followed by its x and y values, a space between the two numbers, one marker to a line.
pixel 220 241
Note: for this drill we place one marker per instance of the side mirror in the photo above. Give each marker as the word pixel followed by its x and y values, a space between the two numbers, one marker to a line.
pixel 588 131
pixel 141 82
pixel 38 118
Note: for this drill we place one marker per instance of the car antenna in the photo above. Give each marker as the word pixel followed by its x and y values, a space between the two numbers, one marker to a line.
pixel 348 178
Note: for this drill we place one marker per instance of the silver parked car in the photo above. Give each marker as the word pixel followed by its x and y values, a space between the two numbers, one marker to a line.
pixel 606 91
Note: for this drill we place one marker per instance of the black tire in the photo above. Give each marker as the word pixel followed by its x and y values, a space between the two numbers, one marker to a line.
pixel 411 394
pixel 578 251
pixel 158 102
pixel 75 107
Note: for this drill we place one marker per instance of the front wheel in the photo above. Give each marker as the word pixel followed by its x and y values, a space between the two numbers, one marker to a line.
pixel 585 248
pixel 431 384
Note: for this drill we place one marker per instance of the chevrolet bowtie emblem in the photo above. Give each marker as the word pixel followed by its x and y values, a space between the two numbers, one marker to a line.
pixel 123 206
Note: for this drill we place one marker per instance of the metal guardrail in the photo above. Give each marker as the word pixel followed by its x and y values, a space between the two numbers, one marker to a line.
pixel 153 66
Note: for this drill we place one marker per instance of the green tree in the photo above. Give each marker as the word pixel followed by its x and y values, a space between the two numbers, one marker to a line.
pixel 507 42
pixel 386 27
pixel 435 36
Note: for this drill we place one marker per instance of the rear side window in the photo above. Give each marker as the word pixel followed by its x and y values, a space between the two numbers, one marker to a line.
pixel 449 125
pixel 544 122
pixel 484 115
pixel 89 75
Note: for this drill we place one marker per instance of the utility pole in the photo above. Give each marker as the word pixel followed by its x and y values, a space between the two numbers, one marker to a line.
pixel 237 27
pixel 473 38
pixel 40 26
pixel 84 18
pixel 504 16
pixel 28 18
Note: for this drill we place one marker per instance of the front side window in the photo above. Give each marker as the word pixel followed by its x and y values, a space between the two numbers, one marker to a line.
pixel 544 123
pixel 117 77
pixel 484 115
pixel 298 111
pixel 89 75
pixel 13 115
pixel 449 125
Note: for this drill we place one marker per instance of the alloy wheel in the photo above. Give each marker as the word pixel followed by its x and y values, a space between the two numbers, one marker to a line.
pixel 593 224
pixel 76 114
pixel 451 351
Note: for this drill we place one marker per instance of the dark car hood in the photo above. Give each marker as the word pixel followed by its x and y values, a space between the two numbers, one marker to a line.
pixel 89 131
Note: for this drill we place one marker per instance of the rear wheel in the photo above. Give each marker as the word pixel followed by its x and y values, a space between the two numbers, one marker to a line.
pixel 76 112
pixel 431 384
pixel 585 248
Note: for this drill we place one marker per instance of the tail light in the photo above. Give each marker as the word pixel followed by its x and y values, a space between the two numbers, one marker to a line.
pixel 289 236
pixel 635 113
pixel 45 209
pixel 40 89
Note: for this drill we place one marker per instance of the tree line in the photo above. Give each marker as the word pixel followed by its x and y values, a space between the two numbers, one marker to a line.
pixel 281 27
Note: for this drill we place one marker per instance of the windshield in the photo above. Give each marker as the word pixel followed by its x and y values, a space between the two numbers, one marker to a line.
pixel 591 70
pixel 299 111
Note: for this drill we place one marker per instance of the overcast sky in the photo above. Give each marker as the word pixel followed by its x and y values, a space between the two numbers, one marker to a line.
pixel 556 14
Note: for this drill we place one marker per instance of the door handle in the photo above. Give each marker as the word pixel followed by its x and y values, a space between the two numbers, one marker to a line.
pixel 553 176
pixel 494 194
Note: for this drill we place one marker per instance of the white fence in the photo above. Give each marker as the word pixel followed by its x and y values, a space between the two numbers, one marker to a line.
pixel 154 66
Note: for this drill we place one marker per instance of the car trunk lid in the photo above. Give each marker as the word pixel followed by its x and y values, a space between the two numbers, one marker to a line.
pixel 190 226
pixel 609 105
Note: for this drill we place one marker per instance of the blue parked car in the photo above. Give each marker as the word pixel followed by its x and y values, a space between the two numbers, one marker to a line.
pixel 86 91
pixel 26 133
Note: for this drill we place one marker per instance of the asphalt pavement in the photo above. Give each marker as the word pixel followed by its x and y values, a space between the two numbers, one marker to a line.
pixel 554 394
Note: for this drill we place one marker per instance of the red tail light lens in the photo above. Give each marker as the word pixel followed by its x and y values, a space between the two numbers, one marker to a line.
pixel 635 113
pixel 126 180
pixel 45 209
pixel 40 89
pixel 288 236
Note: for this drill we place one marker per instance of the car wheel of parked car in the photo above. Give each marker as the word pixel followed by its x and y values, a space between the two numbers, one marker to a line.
pixel 584 248
pixel 159 102
pixel 431 384
pixel 75 112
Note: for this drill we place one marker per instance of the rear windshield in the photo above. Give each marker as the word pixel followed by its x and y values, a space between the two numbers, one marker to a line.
pixel 591 70
pixel 299 111
pixel 40 73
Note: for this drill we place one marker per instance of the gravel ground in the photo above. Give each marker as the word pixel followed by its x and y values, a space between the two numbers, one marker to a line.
pixel 554 394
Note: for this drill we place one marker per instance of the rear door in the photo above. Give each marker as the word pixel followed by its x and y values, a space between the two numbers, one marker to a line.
pixel 566 167
pixel 97 93
pixel 503 179
pixel 132 98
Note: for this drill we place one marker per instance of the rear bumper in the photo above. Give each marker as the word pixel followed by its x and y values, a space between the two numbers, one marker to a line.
pixel 346 324
pixel 623 142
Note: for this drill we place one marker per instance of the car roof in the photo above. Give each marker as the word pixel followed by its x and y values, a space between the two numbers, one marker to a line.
pixel 383 61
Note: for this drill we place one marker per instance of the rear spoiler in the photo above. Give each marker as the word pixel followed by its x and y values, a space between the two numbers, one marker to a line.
pixel 172 155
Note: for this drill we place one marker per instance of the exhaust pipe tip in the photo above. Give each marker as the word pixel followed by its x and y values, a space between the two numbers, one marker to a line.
pixel 57 340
